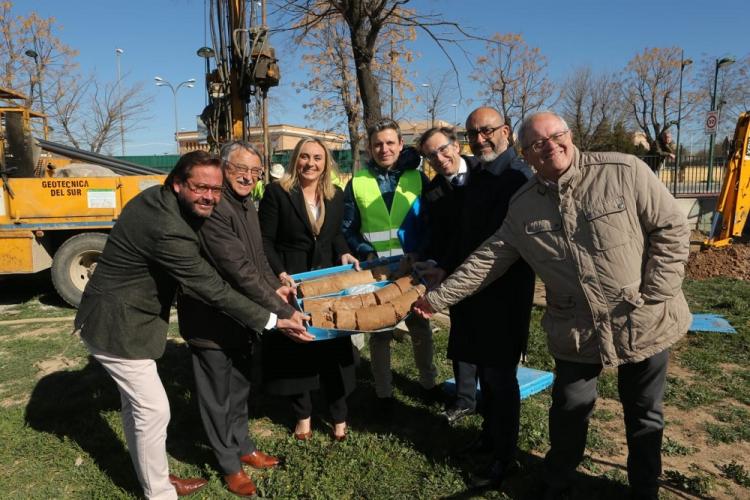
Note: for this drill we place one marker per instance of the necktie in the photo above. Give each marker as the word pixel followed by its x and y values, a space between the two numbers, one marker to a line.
pixel 458 180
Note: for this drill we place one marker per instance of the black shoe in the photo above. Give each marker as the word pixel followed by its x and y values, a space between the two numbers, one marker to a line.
pixel 493 477
pixel 455 413
pixel 434 395
pixel 478 446
pixel 384 408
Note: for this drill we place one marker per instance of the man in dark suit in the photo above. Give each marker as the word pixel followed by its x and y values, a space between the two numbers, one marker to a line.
pixel 124 312
pixel 222 349
pixel 465 204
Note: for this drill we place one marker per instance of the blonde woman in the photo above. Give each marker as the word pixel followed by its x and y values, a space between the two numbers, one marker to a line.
pixel 300 218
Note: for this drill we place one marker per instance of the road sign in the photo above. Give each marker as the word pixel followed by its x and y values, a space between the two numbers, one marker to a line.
pixel 712 122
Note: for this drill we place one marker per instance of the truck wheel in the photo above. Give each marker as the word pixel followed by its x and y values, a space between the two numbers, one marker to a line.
pixel 73 264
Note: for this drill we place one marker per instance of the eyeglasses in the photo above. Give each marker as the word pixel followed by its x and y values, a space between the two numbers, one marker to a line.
pixel 557 138
pixel 439 151
pixel 485 131
pixel 203 189
pixel 244 169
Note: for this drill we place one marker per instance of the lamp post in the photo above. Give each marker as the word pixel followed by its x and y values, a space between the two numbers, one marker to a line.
pixel 118 53
pixel 683 62
pixel 426 87
pixel 455 113
pixel 724 61
pixel 161 82
pixel 206 53
pixel 33 54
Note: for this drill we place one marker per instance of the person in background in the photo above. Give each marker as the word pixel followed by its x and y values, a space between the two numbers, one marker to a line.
pixel 124 312
pixel 610 244
pixel 300 219
pixel 276 172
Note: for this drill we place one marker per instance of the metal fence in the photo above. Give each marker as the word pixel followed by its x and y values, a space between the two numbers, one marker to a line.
pixel 692 178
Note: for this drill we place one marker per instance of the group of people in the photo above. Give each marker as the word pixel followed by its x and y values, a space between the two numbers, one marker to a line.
pixel 599 229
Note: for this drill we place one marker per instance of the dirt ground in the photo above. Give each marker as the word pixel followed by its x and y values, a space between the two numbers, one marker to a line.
pixel 732 261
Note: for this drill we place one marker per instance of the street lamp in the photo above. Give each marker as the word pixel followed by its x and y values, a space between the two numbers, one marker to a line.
pixel 118 53
pixel 161 82
pixel 426 87
pixel 455 113
pixel 724 61
pixel 683 62
pixel 206 53
pixel 32 54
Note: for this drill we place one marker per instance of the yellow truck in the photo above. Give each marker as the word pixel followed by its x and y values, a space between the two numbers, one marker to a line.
pixel 55 213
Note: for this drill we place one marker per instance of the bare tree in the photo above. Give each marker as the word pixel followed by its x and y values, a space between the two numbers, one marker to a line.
pixel 32 54
pixel 365 20
pixel 732 90
pixel 333 81
pixel 651 88
pixel 437 89
pixel 82 110
pixel 513 77
pixel 591 104
pixel 90 114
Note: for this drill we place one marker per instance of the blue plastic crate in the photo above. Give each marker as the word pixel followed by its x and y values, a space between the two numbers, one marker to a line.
pixel 530 381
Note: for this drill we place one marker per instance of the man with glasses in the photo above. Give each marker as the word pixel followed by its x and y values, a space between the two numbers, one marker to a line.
pixel 223 349
pixel 124 313
pixel 610 244
pixel 466 203
pixel 382 218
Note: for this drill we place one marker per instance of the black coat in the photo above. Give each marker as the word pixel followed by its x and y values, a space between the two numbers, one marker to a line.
pixel 491 327
pixel 287 234
pixel 151 250
pixel 289 367
pixel 231 242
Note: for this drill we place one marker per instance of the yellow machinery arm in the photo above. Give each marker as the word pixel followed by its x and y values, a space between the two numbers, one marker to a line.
pixel 734 200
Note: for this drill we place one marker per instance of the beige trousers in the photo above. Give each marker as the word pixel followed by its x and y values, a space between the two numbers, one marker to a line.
pixel 145 416
pixel 420 332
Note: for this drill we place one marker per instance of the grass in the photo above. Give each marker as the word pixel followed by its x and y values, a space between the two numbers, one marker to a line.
pixel 62 436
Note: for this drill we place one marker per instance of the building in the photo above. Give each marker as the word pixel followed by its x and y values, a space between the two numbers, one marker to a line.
pixel 283 138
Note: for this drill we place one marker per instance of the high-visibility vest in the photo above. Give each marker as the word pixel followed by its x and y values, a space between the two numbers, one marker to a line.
pixel 379 227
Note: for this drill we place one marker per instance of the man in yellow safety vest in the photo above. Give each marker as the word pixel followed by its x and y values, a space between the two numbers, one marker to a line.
pixel 382 218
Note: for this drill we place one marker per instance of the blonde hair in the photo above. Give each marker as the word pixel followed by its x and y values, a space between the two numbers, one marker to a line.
pixel 326 189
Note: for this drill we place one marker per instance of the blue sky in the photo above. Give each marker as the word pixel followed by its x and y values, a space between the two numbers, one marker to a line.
pixel 160 37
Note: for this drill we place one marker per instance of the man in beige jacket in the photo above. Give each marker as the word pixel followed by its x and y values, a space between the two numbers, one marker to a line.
pixel 610 244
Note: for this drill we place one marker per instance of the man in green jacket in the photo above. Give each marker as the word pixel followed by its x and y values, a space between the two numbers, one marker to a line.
pixel 124 312
pixel 610 244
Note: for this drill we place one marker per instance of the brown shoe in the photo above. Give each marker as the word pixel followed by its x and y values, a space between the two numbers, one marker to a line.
pixel 304 436
pixel 185 487
pixel 259 460
pixel 240 484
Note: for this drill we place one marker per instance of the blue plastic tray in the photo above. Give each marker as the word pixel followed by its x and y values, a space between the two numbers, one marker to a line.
pixel 332 333
pixel 530 382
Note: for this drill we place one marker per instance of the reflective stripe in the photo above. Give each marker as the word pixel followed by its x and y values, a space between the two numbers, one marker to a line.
pixel 378 236
pixel 380 227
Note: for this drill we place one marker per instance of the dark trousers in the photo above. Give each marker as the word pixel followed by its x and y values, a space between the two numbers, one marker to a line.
pixel 302 406
pixel 222 380
pixel 501 410
pixel 641 388
pixel 466 384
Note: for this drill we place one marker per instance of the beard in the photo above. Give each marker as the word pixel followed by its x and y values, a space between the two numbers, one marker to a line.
pixel 489 157
pixel 191 208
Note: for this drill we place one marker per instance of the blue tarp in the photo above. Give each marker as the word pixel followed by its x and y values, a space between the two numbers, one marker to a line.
pixel 530 381
pixel 710 323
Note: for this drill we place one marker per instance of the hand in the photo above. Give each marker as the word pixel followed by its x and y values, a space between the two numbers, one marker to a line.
pixel 431 274
pixel 423 308
pixel 294 328
pixel 287 280
pixel 287 293
pixel 348 258
pixel 406 264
